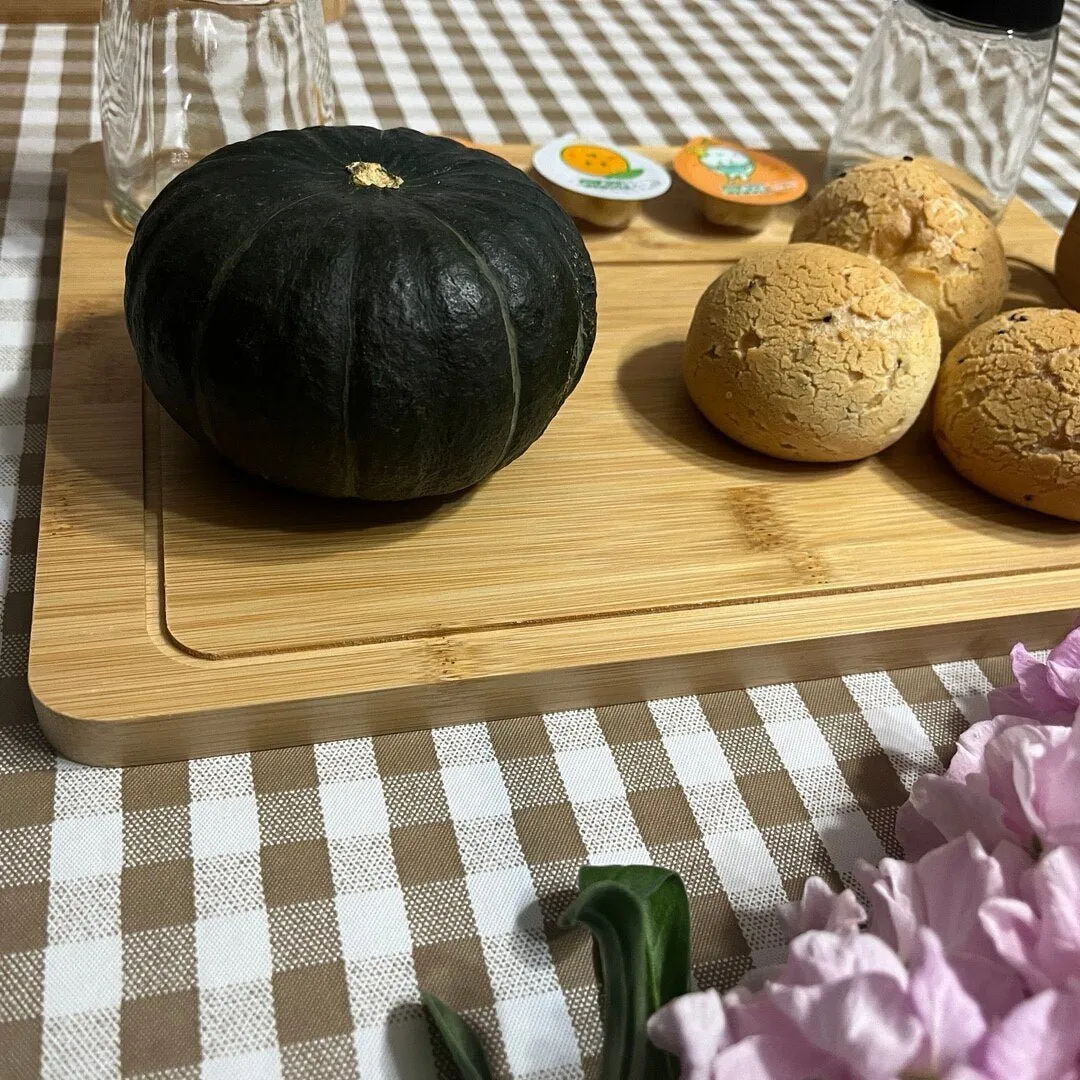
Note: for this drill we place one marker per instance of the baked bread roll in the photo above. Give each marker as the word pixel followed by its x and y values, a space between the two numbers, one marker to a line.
pixel 911 219
pixel 1007 409
pixel 811 353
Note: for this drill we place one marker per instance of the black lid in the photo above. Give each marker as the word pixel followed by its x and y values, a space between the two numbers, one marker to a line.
pixel 1026 16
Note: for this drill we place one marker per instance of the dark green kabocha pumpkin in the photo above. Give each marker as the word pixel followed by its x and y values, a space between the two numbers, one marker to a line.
pixel 355 312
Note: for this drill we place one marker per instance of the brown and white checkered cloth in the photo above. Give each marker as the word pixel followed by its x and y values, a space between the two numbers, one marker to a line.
pixel 275 915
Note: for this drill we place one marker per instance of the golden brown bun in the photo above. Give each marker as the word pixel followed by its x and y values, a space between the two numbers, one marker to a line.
pixel 912 220
pixel 811 353
pixel 1007 411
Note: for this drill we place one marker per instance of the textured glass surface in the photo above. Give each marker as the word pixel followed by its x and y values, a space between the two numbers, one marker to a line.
pixel 180 79
pixel 967 96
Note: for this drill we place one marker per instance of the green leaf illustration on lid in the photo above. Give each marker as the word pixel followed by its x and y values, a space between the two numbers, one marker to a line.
pixel 626 174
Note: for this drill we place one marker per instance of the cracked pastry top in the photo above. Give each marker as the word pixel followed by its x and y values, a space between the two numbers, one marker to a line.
pixel 811 353
pixel 1007 411
pixel 911 219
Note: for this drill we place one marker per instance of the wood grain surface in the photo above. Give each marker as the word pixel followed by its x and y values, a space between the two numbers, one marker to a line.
pixel 633 552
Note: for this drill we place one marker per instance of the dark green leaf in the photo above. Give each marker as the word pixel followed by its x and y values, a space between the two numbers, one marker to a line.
pixel 464 1047
pixel 640 921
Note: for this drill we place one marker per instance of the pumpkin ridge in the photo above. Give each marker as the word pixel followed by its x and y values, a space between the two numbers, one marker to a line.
pixel 212 294
pixel 352 467
pixel 581 352
pixel 311 137
pixel 504 308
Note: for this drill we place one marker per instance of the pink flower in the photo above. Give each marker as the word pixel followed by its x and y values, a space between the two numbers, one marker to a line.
pixel 846 1007
pixel 1038 1040
pixel 1010 781
pixel 969 966
pixel 697 1029
pixel 945 891
pixel 1039 934
pixel 944 807
pixel 848 998
pixel 1048 693
pixel 821 909
pixel 1034 773
pixel 694 1028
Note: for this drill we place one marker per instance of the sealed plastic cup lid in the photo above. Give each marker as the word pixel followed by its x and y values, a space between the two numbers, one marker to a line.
pixel 600 169
pixel 726 170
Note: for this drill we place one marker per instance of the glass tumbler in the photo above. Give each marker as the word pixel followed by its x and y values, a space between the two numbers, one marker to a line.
pixel 181 78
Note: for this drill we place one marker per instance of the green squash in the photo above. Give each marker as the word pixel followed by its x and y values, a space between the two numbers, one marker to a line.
pixel 363 313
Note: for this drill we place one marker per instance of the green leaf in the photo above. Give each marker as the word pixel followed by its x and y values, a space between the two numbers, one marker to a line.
pixel 465 1049
pixel 640 921
pixel 626 174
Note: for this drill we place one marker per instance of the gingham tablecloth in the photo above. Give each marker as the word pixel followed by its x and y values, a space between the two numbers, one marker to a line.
pixel 277 914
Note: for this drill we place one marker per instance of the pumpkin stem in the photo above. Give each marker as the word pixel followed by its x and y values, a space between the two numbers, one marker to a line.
pixel 372 174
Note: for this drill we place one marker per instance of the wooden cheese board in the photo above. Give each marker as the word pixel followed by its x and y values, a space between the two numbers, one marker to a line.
pixel 183 610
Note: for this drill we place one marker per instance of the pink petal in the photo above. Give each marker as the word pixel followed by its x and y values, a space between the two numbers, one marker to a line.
pixel 694 1028
pixel 971 745
pixel 765 1057
pixel 1014 863
pixel 1056 888
pixel 965 1072
pixel 897 900
pixel 1064 681
pixel 820 909
pixel 1067 652
pixel 1038 1040
pixel 915 834
pixel 951 1018
pixel 990 981
pixel 756 1014
pixel 1014 930
pixel 955 809
pixel 820 957
pixel 756 978
pixel 956 880
pixel 1007 759
pixel 1008 700
pixel 1058 801
pixel 865 1021
pixel 1034 686
pixel 1045 777
pixel 847 914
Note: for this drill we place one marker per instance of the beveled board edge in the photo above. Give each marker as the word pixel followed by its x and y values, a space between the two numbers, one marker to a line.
pixel 111 688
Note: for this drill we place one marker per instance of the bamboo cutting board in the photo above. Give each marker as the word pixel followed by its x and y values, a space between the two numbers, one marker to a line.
pixel 184 610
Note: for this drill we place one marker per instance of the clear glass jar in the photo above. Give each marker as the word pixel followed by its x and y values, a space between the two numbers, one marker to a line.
pixel 962 81
pixel 180 78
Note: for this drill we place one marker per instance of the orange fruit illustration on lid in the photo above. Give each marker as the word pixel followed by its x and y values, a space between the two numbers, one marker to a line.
pixel 594 160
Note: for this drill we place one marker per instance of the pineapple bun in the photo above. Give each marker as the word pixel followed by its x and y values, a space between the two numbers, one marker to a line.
pixel 811 353
pixel 911 219
pixel 1007 409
